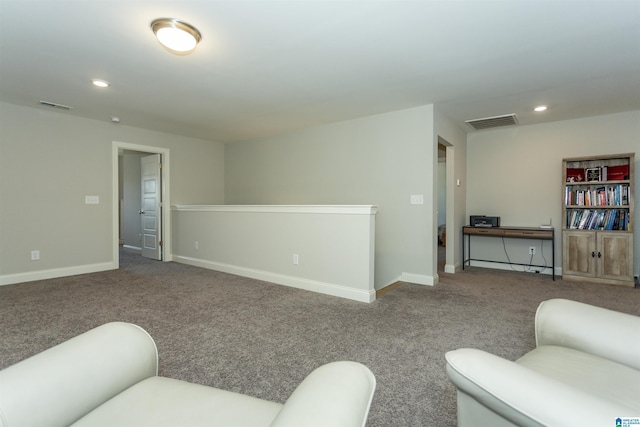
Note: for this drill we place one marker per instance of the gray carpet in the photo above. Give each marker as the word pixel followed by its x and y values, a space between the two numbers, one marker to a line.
pixel 262 339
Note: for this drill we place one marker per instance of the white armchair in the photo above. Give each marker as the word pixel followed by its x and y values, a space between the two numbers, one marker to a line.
pixel 584 371
pixel 108 377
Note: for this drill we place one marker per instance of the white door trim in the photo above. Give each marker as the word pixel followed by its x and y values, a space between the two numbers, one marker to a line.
pixel 167 254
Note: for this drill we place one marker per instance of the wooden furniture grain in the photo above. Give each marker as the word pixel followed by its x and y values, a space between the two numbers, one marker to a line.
pixel 508 232
pixel 598 211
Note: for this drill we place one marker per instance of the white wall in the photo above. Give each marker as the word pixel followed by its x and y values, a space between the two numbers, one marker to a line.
pixel 378 160
pixel 50 160
pixel 516 172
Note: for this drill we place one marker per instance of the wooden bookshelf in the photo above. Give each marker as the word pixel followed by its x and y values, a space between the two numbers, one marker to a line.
pixel 597 212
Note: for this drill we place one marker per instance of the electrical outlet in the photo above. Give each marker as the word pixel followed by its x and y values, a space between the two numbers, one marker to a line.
pixel 296 259
pixel 196 245
pixel 91 200
pixel 532 250
pixel 35 255
pixel 417 199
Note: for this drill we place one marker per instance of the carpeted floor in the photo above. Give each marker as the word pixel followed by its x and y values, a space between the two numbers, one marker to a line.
pixel 262 339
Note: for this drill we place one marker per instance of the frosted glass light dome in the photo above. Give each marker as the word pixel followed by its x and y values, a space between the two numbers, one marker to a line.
pixel 176 35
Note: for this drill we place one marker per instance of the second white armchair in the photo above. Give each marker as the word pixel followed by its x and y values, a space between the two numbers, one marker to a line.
pixel 584 371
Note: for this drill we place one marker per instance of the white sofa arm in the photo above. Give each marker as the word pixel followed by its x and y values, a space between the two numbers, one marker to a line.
pixel 523 396
pixel 61 384
pixel 338 394
pixel 594 330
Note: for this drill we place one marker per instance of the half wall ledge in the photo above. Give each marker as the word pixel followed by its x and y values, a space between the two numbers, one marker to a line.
pixel 327 249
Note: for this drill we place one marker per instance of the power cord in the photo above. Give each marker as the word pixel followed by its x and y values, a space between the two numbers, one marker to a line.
pixel 527 268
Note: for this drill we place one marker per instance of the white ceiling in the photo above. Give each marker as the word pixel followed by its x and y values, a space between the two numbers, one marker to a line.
pixel 266 67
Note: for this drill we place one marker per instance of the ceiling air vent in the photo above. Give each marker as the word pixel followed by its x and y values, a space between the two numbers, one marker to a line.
pixel 493 122
pixel 54 105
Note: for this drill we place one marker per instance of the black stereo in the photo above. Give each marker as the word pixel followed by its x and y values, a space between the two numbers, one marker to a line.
pixel 484 221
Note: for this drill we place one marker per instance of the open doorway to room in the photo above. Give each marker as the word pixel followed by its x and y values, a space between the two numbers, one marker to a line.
pixel 141 214
pixel 448 206
pixel 442 205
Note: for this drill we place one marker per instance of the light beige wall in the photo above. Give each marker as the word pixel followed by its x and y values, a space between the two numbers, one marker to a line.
pixel 516 172
pixel 378 160
pixel 50 160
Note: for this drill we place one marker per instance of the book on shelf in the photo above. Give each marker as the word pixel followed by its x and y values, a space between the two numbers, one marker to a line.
pixel 612 195
pixel 597 219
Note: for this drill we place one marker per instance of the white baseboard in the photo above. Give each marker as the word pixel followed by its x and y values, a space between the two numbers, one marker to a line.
pixel 281 279
pixel 10 279
pixel 452 268
pixel 133 248
pixel 420 279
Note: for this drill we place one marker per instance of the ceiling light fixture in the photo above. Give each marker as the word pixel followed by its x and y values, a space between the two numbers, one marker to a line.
pixel 100 83
pixel 540 108
pixel 177 36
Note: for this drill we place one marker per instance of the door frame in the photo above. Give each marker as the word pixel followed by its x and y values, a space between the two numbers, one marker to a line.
pixel 450 202
pixel 116 146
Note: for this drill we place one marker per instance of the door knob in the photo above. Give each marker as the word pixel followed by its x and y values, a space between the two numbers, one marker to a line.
pixel 140 212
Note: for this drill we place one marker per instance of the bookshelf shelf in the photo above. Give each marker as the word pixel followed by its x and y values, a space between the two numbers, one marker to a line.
pixel 597 212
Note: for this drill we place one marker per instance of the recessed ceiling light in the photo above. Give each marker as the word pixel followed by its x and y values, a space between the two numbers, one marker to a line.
pixel 177 36
pixel 540 108
pixel 100 83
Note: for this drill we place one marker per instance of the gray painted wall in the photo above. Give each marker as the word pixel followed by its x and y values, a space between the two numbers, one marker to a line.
pixel 516 173
pixel 378 160
pixel 49 161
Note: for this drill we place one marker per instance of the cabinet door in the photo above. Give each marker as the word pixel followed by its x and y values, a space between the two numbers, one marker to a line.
pixel 578 249
pixel 615 255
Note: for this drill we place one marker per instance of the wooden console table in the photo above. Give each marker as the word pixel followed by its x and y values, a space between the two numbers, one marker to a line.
pixel 511 233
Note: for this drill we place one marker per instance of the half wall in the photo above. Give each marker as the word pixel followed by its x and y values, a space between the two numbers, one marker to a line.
pixel 320 248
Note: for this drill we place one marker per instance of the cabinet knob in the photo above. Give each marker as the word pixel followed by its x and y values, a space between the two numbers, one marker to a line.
pixel 599 254
pixel 593 254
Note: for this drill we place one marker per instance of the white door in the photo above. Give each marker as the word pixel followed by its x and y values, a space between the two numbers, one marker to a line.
pixel 150 212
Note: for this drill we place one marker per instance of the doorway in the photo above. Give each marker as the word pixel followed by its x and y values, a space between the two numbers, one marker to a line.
pixel 127 224
pixel 442 205
pixel 449 206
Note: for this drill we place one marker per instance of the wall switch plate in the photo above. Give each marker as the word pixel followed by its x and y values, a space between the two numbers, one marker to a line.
pixel 417 199
pixel 91 200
